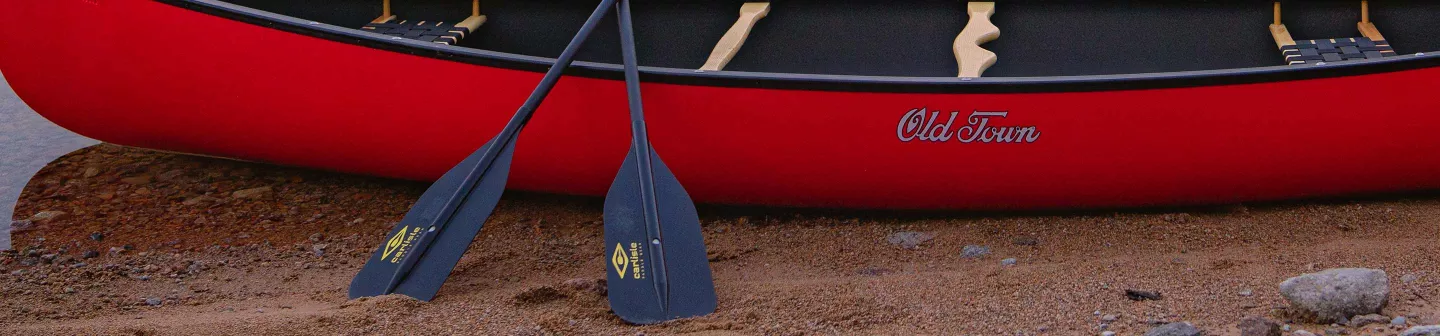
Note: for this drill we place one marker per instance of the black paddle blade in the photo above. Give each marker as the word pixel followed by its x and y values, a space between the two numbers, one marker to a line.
pixel 441 255
pixel 644 289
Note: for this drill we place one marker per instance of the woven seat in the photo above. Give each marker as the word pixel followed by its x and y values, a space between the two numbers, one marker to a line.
pixel 438 32
pixel 1336 50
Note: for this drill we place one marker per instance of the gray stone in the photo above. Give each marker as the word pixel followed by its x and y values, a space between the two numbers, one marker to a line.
pixel 1399 321
pixel 1175 329
pixel 1408 278
pixel 1302 333
pixel 1368 319
pixel 909 239
pixel 1433 330
pixel 153 302
pixel 1107 333
pixel 1008 262
pixel 974 251
pixel 1258 326
pixel 1336 294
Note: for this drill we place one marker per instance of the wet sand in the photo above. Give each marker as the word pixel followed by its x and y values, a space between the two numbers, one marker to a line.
pixel 177 252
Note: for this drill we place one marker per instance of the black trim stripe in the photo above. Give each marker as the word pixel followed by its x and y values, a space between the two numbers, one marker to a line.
pixel 817 82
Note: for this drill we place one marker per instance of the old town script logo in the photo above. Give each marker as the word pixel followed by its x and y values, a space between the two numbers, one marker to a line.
pixel 924 125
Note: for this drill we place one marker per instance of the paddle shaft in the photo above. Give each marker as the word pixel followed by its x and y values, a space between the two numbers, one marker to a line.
pixel 506 138
pixel 642 150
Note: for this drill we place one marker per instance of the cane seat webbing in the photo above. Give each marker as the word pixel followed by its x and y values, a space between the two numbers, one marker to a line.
pixel 437 32
pixel 1336 50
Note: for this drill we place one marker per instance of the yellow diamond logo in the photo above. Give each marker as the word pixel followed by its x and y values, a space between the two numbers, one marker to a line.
pixel 620 260
pixel 394 243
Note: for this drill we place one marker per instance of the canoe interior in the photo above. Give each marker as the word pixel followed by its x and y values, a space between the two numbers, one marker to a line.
pixel 913 38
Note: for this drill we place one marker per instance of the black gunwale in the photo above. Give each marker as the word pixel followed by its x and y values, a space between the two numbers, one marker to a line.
pixel 816 82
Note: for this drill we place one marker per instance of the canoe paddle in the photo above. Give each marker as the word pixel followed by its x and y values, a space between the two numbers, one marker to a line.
pixel 658 268
pixel 424 247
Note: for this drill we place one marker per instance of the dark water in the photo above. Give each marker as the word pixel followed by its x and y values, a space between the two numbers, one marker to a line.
pixel 27 143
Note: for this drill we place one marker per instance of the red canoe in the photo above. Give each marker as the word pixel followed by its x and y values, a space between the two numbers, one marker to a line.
pixel 828 104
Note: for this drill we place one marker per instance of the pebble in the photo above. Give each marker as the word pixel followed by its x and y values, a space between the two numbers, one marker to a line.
pixel 1107 333
pixel 91 254
pixel 1175 329
pixel 1368 319
pixel 1258 326
pixel 1433 330
pixel 1008 262
pixel 974 251
pixel 1409 278
pixel 252 193
pixel 1335 294
pixel 154 302
pixel 909 239
pixel 1302 333
pixel 1247 292
pixel 97 236
pixel 47 216
pixel 1335 332
pixel 1108 318
pixel 1142 295
pixel 1399 321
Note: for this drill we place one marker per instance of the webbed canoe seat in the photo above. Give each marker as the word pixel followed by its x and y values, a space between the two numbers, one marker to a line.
pixel 428 31
pixel 1370 46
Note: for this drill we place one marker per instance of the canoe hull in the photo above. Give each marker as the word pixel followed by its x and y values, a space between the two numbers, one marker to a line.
pixel 214 86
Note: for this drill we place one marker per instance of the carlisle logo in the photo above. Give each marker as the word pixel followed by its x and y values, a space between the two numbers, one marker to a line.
pixel 394 243
pixel 620 260
pixel 398 244
pixel 929 126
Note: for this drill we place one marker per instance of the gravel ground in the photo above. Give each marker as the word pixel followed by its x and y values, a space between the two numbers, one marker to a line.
pixel 136 242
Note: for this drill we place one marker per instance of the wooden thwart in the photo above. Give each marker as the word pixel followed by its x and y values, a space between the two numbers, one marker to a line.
pixel 1285 41
pixel 971 58
pixel 471 23
pixel 729 45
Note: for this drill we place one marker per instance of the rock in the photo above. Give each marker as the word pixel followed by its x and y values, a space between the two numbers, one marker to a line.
pixel 1258 326
pixel 1107 333
pixel 1175 329
pixel 319 249
pixel 1337 294
pixel 1008 262
pixel 1025 241
pixel 909 240
pixel 1408 278
pixel 137 180
pixel 170 175
pixel 596 286
pixel 1433 330
pixel 154 302
pixel 1141 295
pixel 1109 318
pixel 91 172
pixel 1335 332
pixel 1302 333
pixel 1399 321
pixel 21 225
pixel 974 251
pixel 1368 319
pixel 97 236
pixel 1247 292
pixel 198 199
pixel 91 254
pixel 252 193
pixel 47 216
pixel 317 237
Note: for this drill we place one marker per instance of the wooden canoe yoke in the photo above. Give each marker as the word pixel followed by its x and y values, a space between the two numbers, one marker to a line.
pixel 729 45
pixel 971 58
pixel 437 31
pixel 1371 45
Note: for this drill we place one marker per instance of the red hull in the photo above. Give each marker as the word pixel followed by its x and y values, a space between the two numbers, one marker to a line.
pixel 215 86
